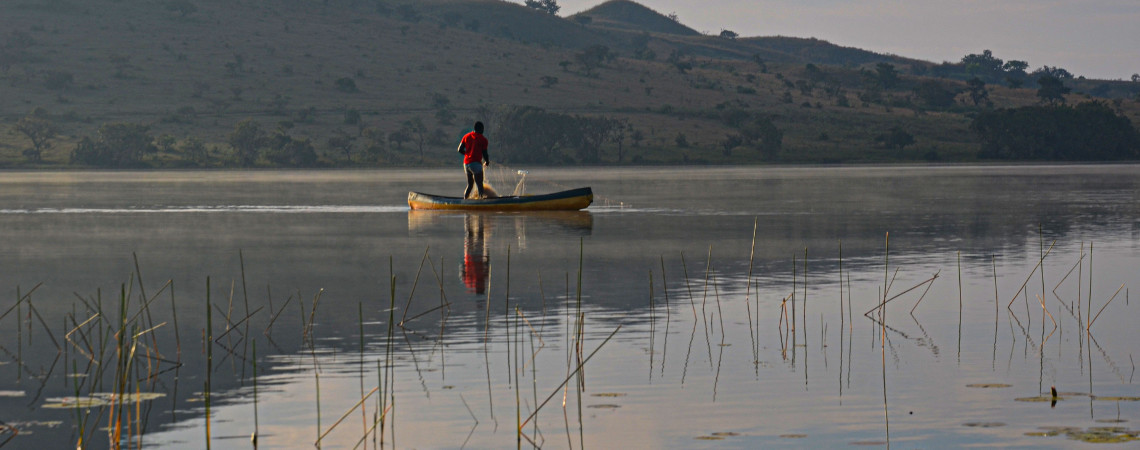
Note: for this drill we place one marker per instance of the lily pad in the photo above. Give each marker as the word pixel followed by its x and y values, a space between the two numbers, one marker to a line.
pixel 868 443
pixel 98 400
pixel 725 434
pixel 12 393
pixel 1104 435
pixel 988 385
pixel 607 394
pixel 604 406
pixel 1042 433
pixel 1057 430
pixel 793 436
pixel 1116 399
pixel 984 424
pixel 1038 399
pixel 709 438
pixel 76 402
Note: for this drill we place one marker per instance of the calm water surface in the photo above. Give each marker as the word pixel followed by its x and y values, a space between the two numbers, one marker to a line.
pixel 721 289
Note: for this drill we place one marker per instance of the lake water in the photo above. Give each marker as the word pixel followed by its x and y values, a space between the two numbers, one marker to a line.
pixel 706 307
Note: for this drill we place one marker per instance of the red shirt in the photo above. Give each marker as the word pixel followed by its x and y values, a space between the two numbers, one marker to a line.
pixel 476 147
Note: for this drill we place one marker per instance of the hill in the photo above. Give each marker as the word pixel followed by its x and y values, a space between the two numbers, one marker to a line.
pixel 212 83
pixel 631 16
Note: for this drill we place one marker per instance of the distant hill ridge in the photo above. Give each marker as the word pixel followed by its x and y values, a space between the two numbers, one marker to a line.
pixel 628 15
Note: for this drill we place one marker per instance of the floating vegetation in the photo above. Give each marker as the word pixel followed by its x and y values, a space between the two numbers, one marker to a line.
pixel 726 434
pixel 984 424
pixel 36 423
pixel 607 394
pixel 1039 399
pixel 988 385
pixel 604 406
pixel 1116 399
pixel 1104 435
pixel 1111 420
pixel 868 443
pixel 98 400
pixel 12 393
pixel 793 436
pixel 709 438
pixel 1092 435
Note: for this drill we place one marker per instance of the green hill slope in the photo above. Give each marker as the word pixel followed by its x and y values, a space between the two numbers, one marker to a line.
pixel 211 83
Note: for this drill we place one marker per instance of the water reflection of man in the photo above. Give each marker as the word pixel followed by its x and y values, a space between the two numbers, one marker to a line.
pixel 476 258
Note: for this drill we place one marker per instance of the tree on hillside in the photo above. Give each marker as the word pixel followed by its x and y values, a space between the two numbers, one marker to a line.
pixel 341 142
pixel 984 65
pixel 283 150
pixel 896 139
pixel 117 145
pixel 418 133
pixel 40 130
pixel 1090 131
pixel 977 89
pixel 593 57
pixel 247 139
pixel 531 134
pixel 548 6
pixel 728 34
pixel 399 137
pixel 592 132
pixel 934 94
pixel 887 75
pixel 1052 89
pixel 1055 72
pixel 679 61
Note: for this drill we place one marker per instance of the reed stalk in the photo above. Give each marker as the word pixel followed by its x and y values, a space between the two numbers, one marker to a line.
pixel 209 343
pixel 805 294
pixel 668 315
pixel 1030 277
pixel 276 315
pixel 345 415
pixel 1091 322
pixel 253 438
pixel 569 377
pixel 415 283
pixel 174 312
pixel 886 271
pixel 959 306
pixel 882 306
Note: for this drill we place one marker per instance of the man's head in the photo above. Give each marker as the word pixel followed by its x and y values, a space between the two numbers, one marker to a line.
pixel 479 127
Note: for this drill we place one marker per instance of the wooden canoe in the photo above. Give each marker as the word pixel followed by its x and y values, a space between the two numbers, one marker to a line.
pixel 571 200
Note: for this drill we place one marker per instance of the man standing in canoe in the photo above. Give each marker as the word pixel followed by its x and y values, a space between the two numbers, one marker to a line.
pixel 473 146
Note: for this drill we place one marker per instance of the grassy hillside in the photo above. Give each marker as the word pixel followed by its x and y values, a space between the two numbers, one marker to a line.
pixel 355 80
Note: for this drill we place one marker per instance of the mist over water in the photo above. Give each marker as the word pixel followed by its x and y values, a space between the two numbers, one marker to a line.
pixel 691 267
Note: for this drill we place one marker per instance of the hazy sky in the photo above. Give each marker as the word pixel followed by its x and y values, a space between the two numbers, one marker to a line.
pixel 1093 38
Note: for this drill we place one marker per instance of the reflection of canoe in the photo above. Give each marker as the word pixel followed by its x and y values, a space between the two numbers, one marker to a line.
pixel 572 200
pixel 577 223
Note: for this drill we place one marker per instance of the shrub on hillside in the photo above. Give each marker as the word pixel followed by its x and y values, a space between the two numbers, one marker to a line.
pixel 1090 131
pixel 117 145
